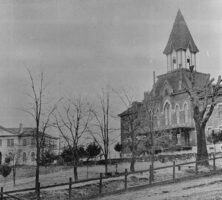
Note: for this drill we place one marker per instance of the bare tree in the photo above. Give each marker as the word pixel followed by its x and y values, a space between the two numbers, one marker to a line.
pixel 203 100
pixel 41 116
pixel 72 121
pixel 133 120
pixel 149 109
pixel 14 156
pixel 101 126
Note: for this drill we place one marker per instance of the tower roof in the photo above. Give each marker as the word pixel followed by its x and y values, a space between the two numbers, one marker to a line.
pixel 180 37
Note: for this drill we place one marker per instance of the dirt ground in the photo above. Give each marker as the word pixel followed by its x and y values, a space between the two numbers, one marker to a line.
pixel 208 188
pixel 62 174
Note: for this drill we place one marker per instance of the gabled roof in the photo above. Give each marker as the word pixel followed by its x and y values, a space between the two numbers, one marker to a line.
pixel 26 131
pixel 131 110
pixel 180 37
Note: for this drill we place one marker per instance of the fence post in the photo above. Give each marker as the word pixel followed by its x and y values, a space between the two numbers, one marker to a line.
pixel 1 193
pixel 70 187
pixel 38 191
pixel 151 174
pixel 100 183
pixel 125 180
pixel 214 162
pixel 173 170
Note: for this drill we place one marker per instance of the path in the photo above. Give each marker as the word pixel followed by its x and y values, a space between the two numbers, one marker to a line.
pixel 200 189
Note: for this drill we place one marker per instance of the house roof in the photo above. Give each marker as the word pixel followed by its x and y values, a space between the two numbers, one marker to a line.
pixel 180 37
pixel 26 131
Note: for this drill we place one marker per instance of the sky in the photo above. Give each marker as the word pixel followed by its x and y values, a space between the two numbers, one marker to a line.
pixel 84 45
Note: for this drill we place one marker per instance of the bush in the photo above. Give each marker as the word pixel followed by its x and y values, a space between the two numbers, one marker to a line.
pixel 60 160
pixel 7 160
pixel 5 170
pixel 47 158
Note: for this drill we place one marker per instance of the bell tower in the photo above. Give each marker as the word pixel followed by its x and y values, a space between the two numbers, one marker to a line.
pixel 180 49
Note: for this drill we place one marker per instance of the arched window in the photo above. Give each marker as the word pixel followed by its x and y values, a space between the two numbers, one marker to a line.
pixel 167 114
pixel 177 114
pixel 174 62
pixel 158 117
pixel 33 156
pixel 150 118
pixel 185 107
pixel 24 157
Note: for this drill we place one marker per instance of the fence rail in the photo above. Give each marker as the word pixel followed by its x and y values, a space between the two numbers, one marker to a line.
pixel 70 184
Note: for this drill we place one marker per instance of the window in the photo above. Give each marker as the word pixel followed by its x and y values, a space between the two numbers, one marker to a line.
pixel 158 117
pixel 167 114
pixel 174 63
pixel 33 141
pixel 10 155
pixel 24 158
pixel 185 112
pixel 0 142
pixel 10 142
pixel 32 156
pixel 220 110
pixel 24 142
pixel 177 114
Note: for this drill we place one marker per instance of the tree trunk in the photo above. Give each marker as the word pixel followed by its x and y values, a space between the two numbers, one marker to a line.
pixel 75 172
pixel 202 155
pixel 106 163
pixel 132 163
pixel 14 174
pixel 37 161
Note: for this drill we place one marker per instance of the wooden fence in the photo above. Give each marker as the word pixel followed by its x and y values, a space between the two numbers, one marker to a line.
pixel 100 180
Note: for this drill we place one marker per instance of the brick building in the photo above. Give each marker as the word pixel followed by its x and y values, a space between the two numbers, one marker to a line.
pixel 168 102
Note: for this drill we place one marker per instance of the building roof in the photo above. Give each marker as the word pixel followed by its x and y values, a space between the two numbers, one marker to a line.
pixel 173 78
pixel 131 110
pixel 26 131
pixel 180 37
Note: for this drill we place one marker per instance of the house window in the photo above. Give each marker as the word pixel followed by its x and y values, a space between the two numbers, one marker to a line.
pixel 220 110
pixel 0 142
pixel 24 157
pixel 158 117
pixel 10 142
pixel 167 114
pixel 10 155
pixel 33 141
pixel 186 112
pixel 32 156
pixel 177 114
pixel 24 142
pixel 174 63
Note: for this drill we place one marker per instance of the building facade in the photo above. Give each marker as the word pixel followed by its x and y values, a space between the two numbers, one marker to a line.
pixel 20 144
pixel 169 107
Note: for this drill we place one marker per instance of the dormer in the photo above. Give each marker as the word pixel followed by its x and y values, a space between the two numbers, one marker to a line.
pixel 167 89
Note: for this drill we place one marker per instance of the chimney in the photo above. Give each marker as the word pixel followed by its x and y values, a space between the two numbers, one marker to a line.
pixel 20 128
pixel 154 78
